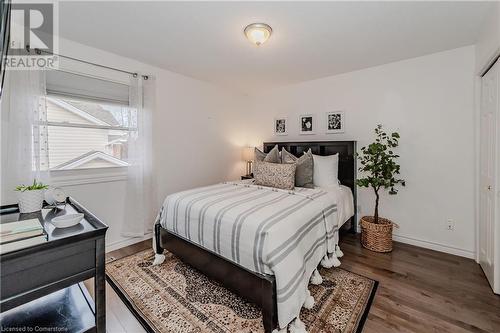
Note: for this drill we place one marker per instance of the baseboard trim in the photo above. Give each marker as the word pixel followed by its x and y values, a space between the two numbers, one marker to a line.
pixel 126 242
pixel 402 239
pixel 435 246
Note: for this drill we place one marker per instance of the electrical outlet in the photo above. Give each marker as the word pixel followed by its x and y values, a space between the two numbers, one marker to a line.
pixel 450 225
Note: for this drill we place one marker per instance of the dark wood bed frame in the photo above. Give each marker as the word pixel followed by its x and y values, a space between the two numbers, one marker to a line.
pixel 257 288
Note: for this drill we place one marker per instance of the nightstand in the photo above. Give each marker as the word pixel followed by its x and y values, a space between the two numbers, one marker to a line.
pixel 42 285
pixel 250 176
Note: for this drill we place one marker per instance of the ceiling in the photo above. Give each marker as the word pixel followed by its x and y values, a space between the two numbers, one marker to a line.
pixel 310 40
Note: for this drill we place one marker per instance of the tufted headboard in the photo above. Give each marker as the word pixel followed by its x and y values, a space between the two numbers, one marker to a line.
pixel 347 159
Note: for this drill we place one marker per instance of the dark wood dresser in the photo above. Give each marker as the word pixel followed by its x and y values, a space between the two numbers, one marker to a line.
pixel 42 286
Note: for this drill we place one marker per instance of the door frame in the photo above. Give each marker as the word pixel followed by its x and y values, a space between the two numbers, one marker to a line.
pixel 477 119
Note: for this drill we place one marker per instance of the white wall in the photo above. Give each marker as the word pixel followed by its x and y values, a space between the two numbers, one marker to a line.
pixel 198 130
pixel 196 140
pixel 430 101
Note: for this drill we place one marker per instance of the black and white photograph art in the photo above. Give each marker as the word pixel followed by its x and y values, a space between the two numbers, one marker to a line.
pixel 335 122
pixel 306 124
pixel 280 126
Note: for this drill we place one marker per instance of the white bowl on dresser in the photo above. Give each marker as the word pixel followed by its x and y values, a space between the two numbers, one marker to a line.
pixel 66 221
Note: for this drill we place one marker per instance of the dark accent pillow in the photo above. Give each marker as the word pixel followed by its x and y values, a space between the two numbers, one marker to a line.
pixel 274 175
pixel 305 167
pixel 272 157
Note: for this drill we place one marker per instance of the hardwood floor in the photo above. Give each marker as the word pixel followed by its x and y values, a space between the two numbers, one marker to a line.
pixel 119 319
pixel 424 291
pixel 419 291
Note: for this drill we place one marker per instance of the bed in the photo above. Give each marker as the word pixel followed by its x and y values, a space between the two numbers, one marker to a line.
pixel 262 243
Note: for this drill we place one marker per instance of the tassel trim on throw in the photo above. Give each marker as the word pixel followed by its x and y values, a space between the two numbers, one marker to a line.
pixel 297 326
pixel 334 259
pixel 316 278
pixel 283 330
pixel 309 302
pixel 330 261
pixel 326 262
pixel 338 251
pixel 159 259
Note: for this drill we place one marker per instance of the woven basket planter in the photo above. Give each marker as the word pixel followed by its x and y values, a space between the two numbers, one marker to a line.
pixel 376 236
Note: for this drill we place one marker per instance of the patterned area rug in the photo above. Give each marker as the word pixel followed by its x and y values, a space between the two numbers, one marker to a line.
pixel 173 297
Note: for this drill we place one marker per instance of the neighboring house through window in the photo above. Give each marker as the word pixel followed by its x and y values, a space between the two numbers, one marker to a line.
pixel 85 127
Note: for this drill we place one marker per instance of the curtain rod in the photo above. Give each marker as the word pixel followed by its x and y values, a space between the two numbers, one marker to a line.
pixel 38 51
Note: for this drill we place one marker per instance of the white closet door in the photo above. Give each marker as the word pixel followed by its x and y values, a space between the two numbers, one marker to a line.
pixel 488 174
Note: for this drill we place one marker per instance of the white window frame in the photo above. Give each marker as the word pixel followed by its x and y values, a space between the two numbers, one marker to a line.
pixel 81 176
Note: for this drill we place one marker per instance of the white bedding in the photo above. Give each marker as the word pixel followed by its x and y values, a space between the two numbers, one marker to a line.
pixel 266 230
pixel 345 202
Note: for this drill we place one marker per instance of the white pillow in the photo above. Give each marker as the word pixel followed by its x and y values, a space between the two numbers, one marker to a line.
pixel 326 169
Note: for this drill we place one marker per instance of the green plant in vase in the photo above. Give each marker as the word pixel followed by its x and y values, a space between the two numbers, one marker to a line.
pixel 30 197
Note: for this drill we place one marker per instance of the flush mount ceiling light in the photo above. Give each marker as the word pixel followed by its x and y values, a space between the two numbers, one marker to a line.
pixel 258 33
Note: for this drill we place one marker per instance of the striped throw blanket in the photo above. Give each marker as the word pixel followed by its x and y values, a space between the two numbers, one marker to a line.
pixel 265 230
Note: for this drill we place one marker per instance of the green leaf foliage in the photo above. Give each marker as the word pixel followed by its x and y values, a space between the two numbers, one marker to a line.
pixel 379 165
pixel 35 186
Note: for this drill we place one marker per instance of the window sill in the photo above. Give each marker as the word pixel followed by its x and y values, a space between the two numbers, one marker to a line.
pixel 87 176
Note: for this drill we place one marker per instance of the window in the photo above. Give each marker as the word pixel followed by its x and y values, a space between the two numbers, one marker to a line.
pixel 87 124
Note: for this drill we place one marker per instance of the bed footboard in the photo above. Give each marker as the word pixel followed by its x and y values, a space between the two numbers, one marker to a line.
pixel 256 288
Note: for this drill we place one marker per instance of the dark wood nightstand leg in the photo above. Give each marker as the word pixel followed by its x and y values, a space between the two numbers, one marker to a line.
pixel 100 288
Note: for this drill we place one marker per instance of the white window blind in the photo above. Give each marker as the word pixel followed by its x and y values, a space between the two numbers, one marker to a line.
pixel 76 86
pixel 88 122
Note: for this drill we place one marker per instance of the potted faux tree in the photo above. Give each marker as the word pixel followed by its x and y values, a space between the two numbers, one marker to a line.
pixel 30 197
pixel 380 170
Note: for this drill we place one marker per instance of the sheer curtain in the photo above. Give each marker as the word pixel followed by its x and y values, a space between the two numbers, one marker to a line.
pixel 139 213
pixel 24 141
